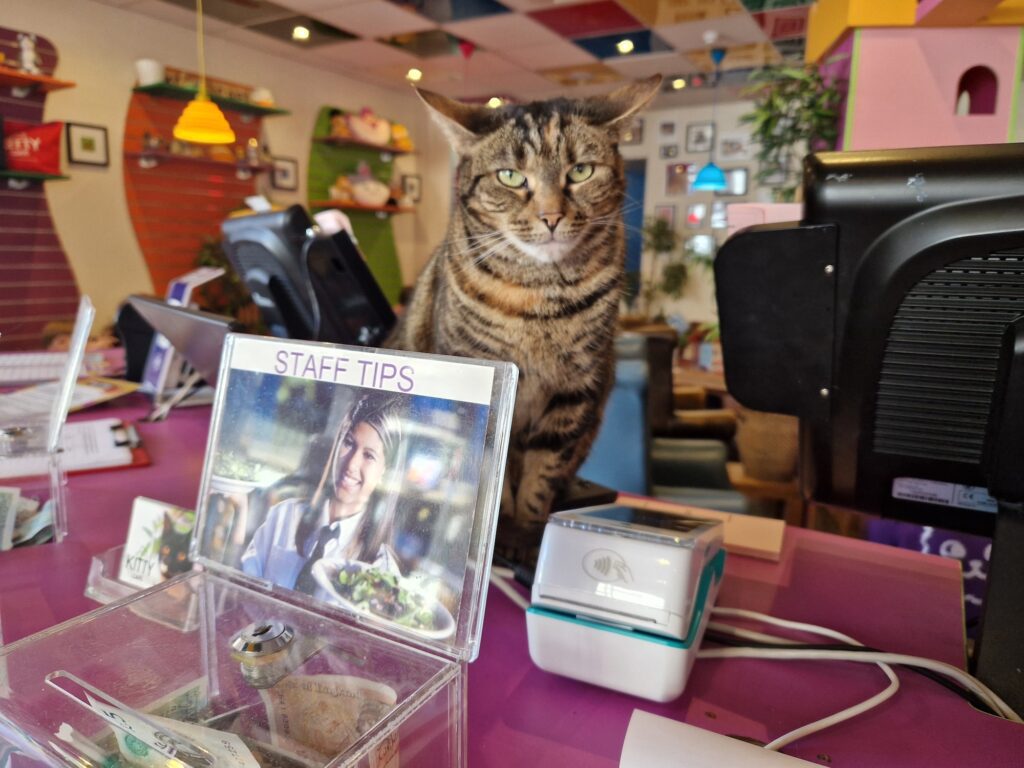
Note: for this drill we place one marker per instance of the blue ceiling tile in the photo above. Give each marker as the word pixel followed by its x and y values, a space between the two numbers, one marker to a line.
pixel 452 10
pixel 606 46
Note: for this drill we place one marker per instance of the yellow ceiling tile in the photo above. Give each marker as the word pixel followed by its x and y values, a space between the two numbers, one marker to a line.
pixel 682 11
pixel 645 10
pixel 586 74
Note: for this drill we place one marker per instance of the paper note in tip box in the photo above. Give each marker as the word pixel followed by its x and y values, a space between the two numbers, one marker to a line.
pixel 335 612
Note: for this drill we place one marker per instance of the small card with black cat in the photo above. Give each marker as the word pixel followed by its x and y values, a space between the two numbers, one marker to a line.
pixel 157 545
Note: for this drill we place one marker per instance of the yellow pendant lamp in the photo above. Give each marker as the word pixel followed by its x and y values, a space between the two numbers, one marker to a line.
pixel 202 122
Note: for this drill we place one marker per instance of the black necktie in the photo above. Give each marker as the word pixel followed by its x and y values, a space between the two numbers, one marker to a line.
pixel 305 582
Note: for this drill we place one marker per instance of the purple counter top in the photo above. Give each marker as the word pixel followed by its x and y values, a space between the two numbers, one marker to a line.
pixel 518 715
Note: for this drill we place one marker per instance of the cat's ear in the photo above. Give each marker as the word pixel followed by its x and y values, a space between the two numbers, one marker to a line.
pixel 620 105
pixel 462 123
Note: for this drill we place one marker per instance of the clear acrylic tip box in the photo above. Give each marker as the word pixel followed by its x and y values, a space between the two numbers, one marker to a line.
pixel 330 621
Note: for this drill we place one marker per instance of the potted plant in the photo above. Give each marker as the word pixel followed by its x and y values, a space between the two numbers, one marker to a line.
pixel 795 111
pixel 667 272
pixel 227 296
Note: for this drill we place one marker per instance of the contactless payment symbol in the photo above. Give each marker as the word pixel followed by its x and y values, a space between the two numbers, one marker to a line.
pixel 606 565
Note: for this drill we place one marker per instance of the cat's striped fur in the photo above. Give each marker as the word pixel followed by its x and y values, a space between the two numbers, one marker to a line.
pixel 532 272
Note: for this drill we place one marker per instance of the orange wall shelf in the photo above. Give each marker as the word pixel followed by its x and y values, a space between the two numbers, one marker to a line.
pixel 176 202
pixel 40 83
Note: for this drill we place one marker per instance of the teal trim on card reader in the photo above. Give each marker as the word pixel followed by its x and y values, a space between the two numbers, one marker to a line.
pixel 712 574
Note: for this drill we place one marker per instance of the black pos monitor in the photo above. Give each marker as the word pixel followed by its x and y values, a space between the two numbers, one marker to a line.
pixel 889 322
pixel 307 285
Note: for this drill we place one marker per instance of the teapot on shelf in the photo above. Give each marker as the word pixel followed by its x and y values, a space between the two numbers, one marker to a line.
pixel 360 188
pixel 366 126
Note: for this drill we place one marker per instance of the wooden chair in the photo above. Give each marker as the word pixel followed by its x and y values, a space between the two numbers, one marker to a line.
pixel 785 491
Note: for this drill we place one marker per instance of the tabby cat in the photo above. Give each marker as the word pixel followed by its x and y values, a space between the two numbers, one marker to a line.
pixel 531 271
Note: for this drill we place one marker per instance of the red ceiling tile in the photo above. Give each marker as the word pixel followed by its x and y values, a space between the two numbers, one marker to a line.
pixel 784 23
pixel 588 19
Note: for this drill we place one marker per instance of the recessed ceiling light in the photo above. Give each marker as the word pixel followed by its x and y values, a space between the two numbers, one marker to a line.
pixel 300 32
pixel 494 102
pixel 414 75
pixel 678 83
pixel 624 46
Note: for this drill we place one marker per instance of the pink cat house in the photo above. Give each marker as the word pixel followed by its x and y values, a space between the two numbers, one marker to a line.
pixel 916 85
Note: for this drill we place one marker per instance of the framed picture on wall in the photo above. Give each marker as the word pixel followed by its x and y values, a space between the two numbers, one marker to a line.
pixel 702 245
pixel 735 146
pixel 668 151
pixel 719 215
pixel 735 182
pixel 634 134
pixel 284 174
pixel 411 186
pixel 87 144
pixel 667 129
pixel 666 213
pixel 700 137
pixel 676 179
pixel 696 214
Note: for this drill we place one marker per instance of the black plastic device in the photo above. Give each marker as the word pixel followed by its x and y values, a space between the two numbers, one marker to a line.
pixel 307 285
pixel 880 320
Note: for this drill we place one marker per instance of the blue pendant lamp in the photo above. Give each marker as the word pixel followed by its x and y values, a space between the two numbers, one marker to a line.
pixel 711 178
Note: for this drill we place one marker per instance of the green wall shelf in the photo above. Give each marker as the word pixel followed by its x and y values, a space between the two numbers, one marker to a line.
pixel 166 90
pixel 32 176
pixel 330 158
pixel 334 141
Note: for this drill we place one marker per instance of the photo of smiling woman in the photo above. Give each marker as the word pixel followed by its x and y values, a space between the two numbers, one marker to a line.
pixel 339 521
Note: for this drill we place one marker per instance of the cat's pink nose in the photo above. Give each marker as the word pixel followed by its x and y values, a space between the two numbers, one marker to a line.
pixel 551 220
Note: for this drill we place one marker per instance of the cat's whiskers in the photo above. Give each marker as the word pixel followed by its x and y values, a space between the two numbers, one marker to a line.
pixel 483 242
pixel 496 248
pixel 470 244
pixel 475 238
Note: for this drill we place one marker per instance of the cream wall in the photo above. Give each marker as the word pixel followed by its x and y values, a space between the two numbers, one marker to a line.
pixel 698 301
pixel 97 45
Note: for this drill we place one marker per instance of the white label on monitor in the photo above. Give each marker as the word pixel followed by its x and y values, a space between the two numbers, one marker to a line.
pixel 946 494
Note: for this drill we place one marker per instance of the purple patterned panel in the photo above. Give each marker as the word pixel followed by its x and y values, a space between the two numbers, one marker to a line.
pixel 36 282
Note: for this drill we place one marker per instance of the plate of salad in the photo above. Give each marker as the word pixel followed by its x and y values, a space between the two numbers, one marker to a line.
pixel 384 595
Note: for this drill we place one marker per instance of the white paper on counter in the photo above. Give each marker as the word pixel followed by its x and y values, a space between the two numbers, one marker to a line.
pixel 658 742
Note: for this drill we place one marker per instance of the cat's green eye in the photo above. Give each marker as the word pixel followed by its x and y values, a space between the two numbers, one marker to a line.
pixel 511 178
pixel 580 172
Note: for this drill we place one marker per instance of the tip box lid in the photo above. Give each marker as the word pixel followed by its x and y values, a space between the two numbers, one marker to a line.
pixel 368 480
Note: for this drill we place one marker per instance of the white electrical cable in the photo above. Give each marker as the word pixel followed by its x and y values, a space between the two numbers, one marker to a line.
pixel 814 629
pixel 990 698
pixel 500 579
pixel 826 722
pixel 749 634
pixel 845 714
pixel 966 680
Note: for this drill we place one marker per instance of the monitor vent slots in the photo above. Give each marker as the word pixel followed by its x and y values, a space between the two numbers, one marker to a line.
pixel 939 368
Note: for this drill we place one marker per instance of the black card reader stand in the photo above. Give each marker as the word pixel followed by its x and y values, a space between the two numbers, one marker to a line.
pixel 999 656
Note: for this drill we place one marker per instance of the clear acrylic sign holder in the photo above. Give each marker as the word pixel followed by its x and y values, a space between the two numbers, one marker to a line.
pixel 30 446
pixel 334 606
